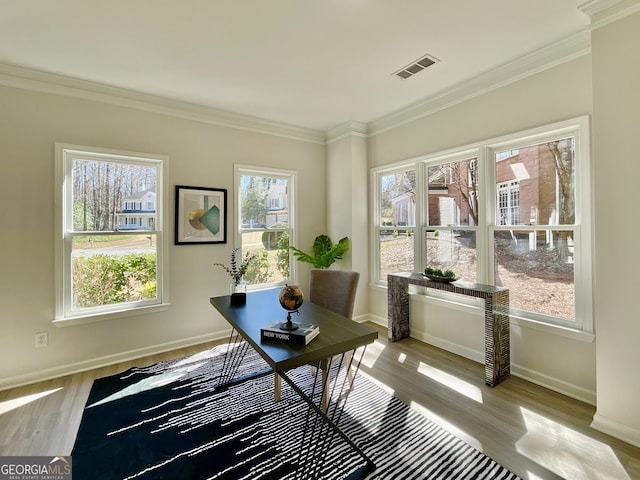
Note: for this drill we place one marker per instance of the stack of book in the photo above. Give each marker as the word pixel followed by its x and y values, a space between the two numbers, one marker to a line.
pixel 300 336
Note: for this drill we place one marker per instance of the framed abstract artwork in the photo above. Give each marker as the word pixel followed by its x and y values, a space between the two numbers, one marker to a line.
pixel 201 215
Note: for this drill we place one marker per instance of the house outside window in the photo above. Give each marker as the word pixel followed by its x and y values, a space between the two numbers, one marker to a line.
pixel 265 222
pixel 133 216
pixel 514 212
pixel 110 252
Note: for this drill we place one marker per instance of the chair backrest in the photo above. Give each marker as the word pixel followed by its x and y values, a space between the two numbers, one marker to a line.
pixel 334 289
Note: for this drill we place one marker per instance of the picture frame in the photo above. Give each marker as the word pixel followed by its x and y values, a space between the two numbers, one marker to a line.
pixel 201 215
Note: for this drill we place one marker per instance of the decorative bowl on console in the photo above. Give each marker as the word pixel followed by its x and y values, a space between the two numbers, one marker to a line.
pixel 437 275
pixel 436 278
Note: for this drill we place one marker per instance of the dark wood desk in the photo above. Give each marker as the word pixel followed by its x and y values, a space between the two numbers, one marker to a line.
pixel 338 335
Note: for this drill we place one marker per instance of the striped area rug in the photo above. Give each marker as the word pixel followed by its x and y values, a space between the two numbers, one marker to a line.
pixel 169 421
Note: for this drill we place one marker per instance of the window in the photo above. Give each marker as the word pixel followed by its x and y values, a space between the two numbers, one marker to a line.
pixel 452 216
pixel 513 211
pixel 509 203
pixel 110 254
pixel 396 221
pixel 534 240
pixel 265 222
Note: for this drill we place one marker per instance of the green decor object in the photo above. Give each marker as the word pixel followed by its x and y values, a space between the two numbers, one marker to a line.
pixel 211 220
pixel 437 275
pixel 325 252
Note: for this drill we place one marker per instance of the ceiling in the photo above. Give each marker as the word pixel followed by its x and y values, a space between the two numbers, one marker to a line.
pixel 308 63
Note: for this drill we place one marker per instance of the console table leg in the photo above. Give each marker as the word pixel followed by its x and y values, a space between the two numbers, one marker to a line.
pixel 398 308
pixel 497 339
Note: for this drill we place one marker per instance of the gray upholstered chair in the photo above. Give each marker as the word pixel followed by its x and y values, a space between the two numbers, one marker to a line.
pixel 334 290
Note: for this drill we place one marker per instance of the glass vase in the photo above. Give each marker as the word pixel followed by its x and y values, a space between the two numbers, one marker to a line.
pixel 238 292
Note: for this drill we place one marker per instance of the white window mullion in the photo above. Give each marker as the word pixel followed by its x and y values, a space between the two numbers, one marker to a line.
pixel 486 207
pixel 422 213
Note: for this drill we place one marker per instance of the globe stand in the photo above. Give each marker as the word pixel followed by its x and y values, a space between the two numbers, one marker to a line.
pixel 289 325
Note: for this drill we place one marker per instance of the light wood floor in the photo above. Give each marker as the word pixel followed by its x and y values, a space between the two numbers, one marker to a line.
pixel 536 433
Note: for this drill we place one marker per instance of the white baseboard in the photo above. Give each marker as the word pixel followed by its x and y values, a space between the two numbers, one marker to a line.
pixel 560 386
pixel 369 317
pixel 616 429
pixel 71 368
pixel 533 376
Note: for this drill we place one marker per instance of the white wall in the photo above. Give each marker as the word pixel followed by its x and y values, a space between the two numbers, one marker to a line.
pixel 564 363
pixel 347 202
pixel 200 154
pixel 617 174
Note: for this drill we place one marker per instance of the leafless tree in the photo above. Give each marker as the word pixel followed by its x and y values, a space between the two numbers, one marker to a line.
pixel 100 187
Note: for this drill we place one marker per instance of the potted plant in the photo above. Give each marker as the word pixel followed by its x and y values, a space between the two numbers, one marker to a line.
pixel 236 271
pixel 325 252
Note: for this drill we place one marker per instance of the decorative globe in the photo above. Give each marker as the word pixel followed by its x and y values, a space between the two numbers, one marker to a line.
pixel 291 297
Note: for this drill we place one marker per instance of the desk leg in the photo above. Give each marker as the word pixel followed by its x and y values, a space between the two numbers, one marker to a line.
pixel 277 387
pixel 398 308
pixel 497 339
pixel 322 423
pixel 325 367
pixel 236 351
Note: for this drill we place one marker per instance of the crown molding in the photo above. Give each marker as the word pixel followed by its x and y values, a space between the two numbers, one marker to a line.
pixel 555 54
pixel 604 12
pixel 596 6
pixel 570 48
pixel 45 82
pixel 348 129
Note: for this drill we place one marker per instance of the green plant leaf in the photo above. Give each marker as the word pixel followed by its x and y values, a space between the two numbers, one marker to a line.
pixel 321 245
pixel 300 255
pixel 325 253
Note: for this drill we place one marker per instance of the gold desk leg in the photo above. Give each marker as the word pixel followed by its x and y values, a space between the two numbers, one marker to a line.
pixel 277 384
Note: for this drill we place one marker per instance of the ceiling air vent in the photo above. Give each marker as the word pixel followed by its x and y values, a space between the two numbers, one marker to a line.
pixel 415 67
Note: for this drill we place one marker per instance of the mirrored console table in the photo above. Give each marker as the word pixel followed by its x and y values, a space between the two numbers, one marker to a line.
pixel 496 317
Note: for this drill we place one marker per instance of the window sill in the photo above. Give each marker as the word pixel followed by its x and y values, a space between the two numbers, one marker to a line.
pixel 99 317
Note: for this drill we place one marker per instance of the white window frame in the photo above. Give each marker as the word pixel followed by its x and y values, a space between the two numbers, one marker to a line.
pixel 291 177
pixel 485 152
pixel 377 227
pixel 65 315
pixel 474 155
